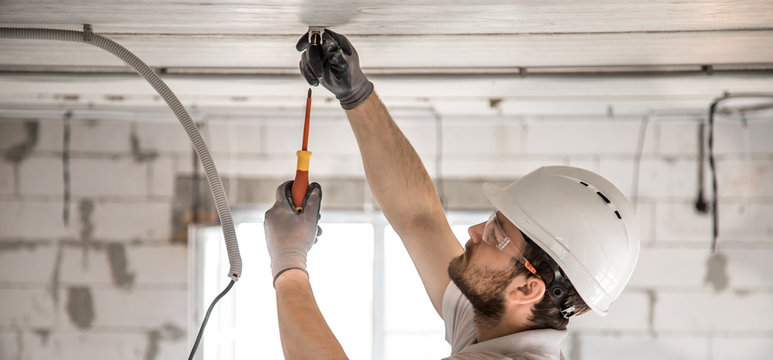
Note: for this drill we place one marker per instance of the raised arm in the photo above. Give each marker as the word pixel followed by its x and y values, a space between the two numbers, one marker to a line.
pixel 289 236
pixel 399 182
pixel 302 328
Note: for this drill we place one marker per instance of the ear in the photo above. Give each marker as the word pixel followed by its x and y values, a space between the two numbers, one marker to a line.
pixel 525 290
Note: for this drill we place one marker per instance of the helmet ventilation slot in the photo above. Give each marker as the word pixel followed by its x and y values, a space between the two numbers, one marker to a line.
pixel 606 200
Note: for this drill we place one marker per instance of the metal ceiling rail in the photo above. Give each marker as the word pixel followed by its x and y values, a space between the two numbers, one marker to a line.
pixel 553 71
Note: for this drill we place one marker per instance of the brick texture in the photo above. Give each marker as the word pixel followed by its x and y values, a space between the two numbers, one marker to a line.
pixel 132 284
pixel 7 178
pixel 41 176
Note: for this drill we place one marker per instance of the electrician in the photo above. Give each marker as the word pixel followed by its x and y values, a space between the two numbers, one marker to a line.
pixel 562 241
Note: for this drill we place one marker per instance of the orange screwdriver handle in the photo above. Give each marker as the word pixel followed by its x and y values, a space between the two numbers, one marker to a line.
pixel 301 183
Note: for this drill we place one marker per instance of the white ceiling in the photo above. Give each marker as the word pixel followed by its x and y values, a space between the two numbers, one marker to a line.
pixel 453 55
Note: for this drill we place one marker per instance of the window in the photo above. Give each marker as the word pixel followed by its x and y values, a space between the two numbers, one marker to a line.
pixel 363 279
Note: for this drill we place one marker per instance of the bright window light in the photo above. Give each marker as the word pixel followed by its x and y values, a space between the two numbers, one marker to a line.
pixel 363 279
pixel 412 327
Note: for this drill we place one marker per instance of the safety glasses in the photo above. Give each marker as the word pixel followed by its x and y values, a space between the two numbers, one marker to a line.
pixel 494 235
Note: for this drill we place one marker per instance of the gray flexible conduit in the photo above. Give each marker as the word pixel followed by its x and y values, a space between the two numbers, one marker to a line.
pixel 215 185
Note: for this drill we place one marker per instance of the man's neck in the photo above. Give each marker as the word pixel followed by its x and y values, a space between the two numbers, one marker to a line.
pixel 506 326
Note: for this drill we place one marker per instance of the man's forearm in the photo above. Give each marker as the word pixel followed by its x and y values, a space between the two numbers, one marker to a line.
pixel 397 178
pixel 404 191
pixel 304 332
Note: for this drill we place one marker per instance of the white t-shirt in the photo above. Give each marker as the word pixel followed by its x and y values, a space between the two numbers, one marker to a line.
pixel 543 344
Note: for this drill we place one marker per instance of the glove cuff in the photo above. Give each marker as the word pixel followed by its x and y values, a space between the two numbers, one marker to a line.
pixel 285 270
pixel 356 97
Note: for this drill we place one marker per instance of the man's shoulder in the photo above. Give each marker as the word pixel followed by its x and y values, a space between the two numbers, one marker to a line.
pixel 485 356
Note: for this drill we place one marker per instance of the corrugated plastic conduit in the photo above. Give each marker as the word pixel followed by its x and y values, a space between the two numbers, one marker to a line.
pixel 216 186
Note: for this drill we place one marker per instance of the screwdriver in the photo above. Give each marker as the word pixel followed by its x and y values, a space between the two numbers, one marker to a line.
pixel 301 183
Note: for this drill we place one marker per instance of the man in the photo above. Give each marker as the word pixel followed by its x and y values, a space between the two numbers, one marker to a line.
pixel 562 241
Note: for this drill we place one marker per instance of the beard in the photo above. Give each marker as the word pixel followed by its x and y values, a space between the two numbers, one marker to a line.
pixel 483 287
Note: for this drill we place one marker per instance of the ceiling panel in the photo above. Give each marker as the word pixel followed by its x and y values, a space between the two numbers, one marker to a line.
pixel 393 17
pixel 240 54
pixel 447 95
pixel 415 51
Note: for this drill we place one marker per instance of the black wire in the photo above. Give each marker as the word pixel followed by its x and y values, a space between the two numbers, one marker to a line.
pixel 66 166
pixel 714 200
pixel 206 318
pixel 714 210
pixel 700 201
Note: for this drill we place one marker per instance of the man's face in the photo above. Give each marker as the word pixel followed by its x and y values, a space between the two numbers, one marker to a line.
pixel 483 272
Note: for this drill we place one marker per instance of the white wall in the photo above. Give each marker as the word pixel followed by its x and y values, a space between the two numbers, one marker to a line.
pixel 112 284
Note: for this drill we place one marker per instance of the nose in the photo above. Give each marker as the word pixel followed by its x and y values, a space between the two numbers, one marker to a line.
pixel 476 233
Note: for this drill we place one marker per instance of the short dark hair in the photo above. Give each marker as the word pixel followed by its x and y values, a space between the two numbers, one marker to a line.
pixel 545 314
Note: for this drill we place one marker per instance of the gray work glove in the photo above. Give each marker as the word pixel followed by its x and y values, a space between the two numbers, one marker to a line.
pixel 289 234
pixel 336 66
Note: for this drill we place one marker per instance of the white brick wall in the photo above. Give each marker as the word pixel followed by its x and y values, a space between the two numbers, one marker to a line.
pixel 669 311
pixel 150 265
pixel 15 260
pixel 159 265
pixel 643 347
pixel 708 311
pixel 731 137
pixel 139 308
pixel 96 345
pixel 625 315
pixel 242 138
pixel 681 222
pixel 656 265
pixel 108 177
pixel 742 178
pixel 481 137
pixel 24 308
pixel 745 221
pixel 132 221
pixel 84 266
pixel 51 135
pixel 34 219
pixel 328 137
pixel 41 176
pixel 645 214
pixel 283 138
pixel 99 136
pixel 162 175
pixel 676 137
pixel 7 181
pixel 167 137
pixel 611 136
pixel 749 348
pixel 750 268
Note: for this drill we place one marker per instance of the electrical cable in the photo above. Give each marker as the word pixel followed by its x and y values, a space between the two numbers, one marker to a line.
pixel 66 166
pixel 746 141
pixel 215 184
pixel 206 318
pixel 712 165
pixel 649 118
pixel 700 201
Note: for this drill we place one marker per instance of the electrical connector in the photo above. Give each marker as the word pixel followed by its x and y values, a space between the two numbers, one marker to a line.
pixel 315 34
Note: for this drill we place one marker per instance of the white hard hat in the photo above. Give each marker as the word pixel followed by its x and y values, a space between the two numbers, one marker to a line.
pixel 582 221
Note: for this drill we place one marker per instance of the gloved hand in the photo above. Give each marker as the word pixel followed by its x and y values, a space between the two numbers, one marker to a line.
pixel 290 235
pixel 336 66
